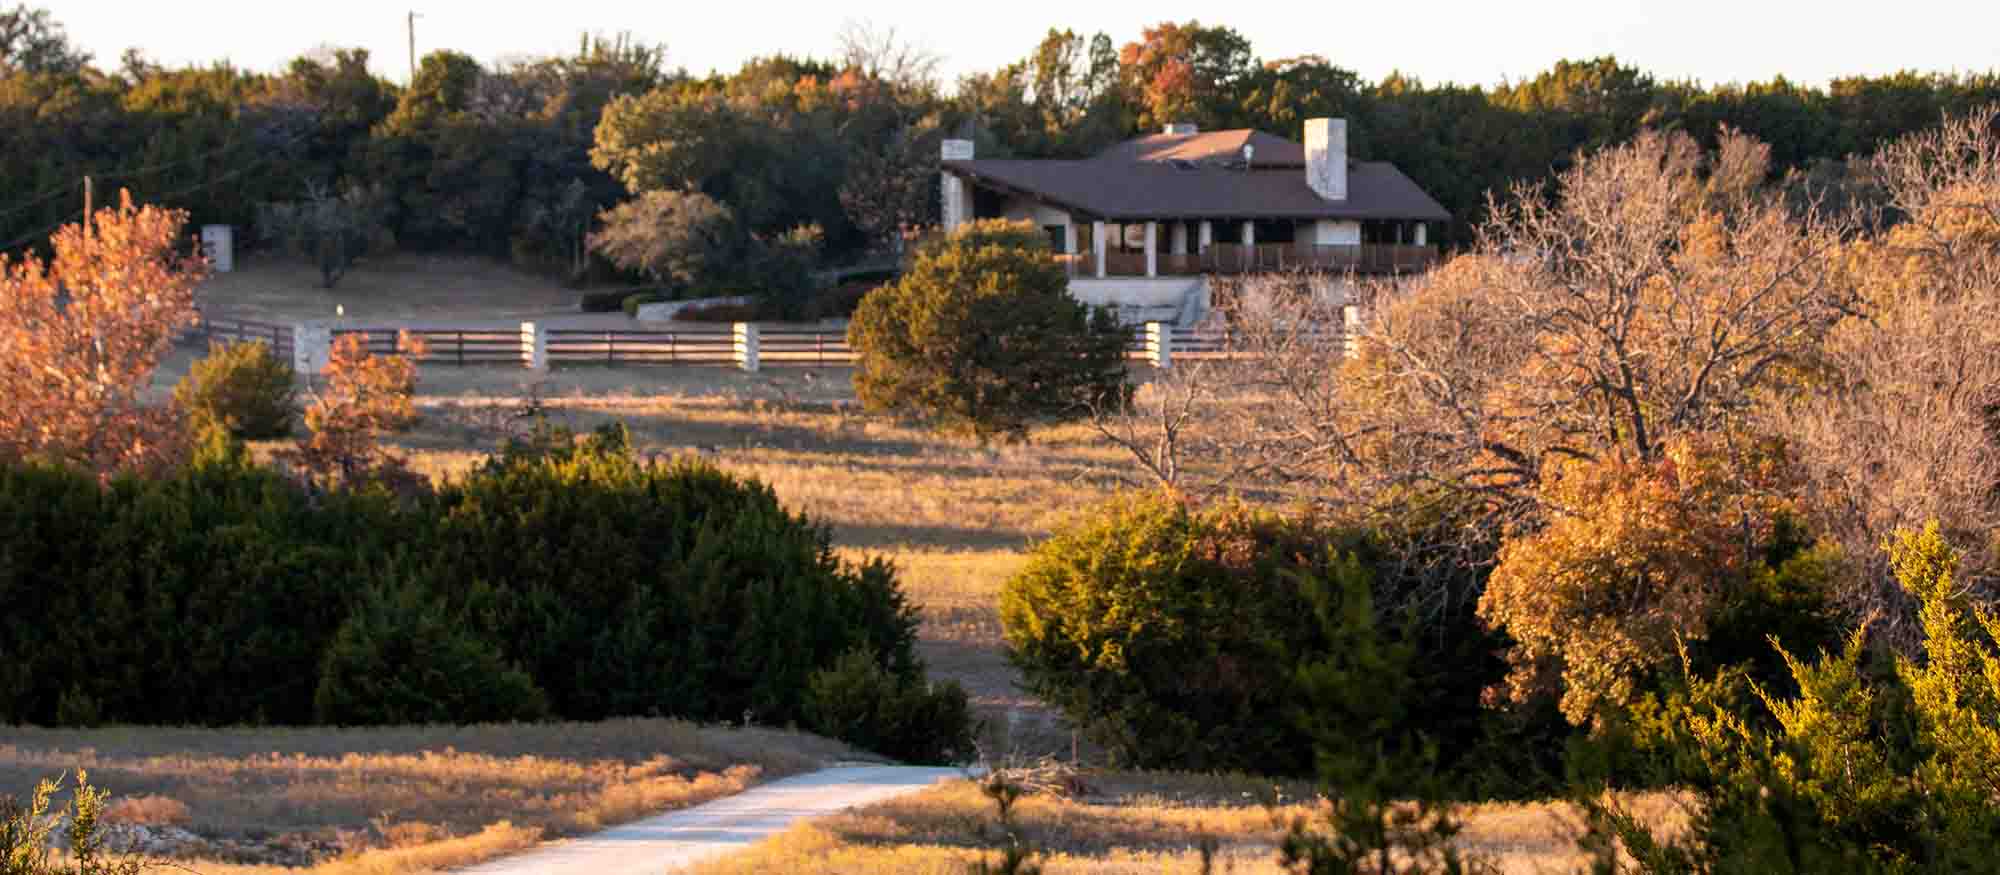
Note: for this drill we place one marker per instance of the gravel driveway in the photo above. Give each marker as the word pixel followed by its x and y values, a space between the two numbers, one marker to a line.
pixel 691 835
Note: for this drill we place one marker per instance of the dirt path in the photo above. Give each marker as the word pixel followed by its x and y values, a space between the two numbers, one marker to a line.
pixel 670 841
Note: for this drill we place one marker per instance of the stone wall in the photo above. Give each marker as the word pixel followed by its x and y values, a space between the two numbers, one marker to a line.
pixel 1176 300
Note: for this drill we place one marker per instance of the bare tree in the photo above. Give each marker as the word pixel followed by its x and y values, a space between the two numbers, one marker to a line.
pixel 32 41
pixel 672 236
pixel 878 53
pixel 1655 291
pixel 1904 427
pixel 1260 416
pixel 1658 292
pixel 330 230
pixel 1159 426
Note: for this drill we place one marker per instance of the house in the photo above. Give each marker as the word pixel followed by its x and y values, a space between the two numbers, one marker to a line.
pixel 1143 224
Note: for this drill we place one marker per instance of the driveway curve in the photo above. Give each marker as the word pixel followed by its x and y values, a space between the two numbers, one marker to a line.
pixel 670 841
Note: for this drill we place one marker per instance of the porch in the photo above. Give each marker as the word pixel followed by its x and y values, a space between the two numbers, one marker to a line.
pixel 1166 248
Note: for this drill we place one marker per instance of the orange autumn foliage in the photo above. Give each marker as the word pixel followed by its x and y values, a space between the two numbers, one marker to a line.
pixel 365 396
pixel 1636 556
pixel 81 334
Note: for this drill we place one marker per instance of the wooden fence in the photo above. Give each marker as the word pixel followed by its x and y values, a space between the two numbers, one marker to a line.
pixel 580 346
pixel 229 329
pixel 448 346
pixel 783 346
pixel 746 346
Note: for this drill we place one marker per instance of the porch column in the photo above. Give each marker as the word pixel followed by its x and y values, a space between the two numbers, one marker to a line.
pixel 1180 238
pixel 1207 235
pixel 1152 249
pixel 1069 236
pixel 1420 232
pixel 1097 245
pixel 1250 243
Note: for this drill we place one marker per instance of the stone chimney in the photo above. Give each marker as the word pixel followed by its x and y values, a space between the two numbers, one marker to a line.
pixel 1326 157
pixel 956 193
pixel 1180 129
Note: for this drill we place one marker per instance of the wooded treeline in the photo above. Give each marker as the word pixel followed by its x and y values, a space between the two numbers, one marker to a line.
pixel 517 159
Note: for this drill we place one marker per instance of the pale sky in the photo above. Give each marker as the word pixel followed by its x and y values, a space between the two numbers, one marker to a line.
pixel 1444 40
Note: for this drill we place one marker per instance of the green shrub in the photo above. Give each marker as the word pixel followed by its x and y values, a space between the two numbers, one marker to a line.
pixel 982 335
pixel 26 833
pixel 1860 771
pixel 1173 635
pixel 226 594
pixel 242 388
pixel 1159 630
pixel 840 302
pixel 872 277
pixel 859 702
pixel 402 658
pixel 627 588
pixel 602 302
pixel 1374 759
pixel 781 266
pixel 632 303
pixel 720 313
pixel 203 597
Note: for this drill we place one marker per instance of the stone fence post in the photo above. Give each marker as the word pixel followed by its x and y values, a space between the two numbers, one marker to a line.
pixel 534 347
pixel 312 348
pixel 747 343
pixel 1160 344
pixel 1351 326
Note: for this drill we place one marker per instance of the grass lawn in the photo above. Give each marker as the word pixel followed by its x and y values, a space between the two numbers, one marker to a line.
pixel 398 286
pixel 403 799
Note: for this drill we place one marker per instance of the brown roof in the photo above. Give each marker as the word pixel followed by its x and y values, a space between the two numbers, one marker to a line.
pixel 1201 176
pixel 1226 146
pixel 1153 190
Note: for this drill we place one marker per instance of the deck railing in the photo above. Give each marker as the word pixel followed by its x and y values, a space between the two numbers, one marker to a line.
pixel 1236 258
pixel 1374 258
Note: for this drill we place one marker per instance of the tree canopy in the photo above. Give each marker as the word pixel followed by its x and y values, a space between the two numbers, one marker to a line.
pixel 517 158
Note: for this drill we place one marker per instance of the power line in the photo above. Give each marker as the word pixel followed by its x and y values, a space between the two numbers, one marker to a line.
pixel 68 217
pixel 59 190
pixel 37 200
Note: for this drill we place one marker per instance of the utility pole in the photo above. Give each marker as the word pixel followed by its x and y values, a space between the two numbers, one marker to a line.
pixel 412 25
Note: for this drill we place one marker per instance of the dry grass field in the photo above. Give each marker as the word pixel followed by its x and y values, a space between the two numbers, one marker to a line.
pixel 1133 825
pixel 403 799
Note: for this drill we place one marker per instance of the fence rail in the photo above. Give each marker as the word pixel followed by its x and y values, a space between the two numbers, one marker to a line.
pixel 636 347
pixel 486 346
pixel 804 347
pixel 1235 258
pixel 233 330
pixel 747 346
